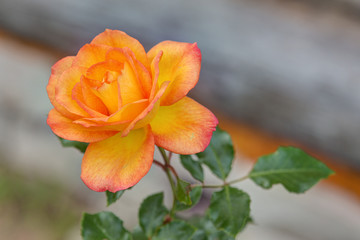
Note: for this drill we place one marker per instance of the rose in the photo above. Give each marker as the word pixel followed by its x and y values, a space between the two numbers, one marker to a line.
pixel 124 101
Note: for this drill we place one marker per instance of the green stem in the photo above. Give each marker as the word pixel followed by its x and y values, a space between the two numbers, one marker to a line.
pixel 220 185
pixel 238 180
pixel 168 168
pixel 163 154
pixel 156 162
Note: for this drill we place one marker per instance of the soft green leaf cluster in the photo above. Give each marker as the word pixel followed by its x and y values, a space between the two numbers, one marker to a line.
pixel 229 209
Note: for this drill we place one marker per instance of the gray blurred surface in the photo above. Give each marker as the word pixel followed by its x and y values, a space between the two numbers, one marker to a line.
pixel 290 67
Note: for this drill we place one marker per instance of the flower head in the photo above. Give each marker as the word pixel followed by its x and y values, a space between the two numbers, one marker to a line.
pixel 124 101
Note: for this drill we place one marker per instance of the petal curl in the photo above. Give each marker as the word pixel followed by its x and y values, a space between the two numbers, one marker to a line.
pixel 118 120
pixel 148 113
pixel 185 127
pixel 118 162
pixel 119 39
pixel 180 64
pixel 98 70
pixel 109 95
pixel 155 74
pixel 65 128
pixel 64 88
pixel 88 101
pixel 130 88
pixel 56 70
pixel 90 54
pixel 141 72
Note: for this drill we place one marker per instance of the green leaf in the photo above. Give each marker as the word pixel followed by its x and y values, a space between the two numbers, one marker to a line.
pixel 229 209
pixel 291 167
pixel 218 156
pixel 78 145
pixel 113 197
pixel 220 235
pixel 216 235
pixel 207 231
pixel 138 234
pixel 103 225
pixel 175 230
pixel 183 192
pixel 194 167
pixel 152 213
pixel 195 195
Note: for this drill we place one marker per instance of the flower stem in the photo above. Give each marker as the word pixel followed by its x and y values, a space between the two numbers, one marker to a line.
pixel 220 185
pixel 238 180
pixel 159 164
pixel 163 154
pixel 168 169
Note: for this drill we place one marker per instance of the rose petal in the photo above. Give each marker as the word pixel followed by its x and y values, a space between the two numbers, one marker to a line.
pixel 155 74
pixel 142 73
pixel 57 69
pixel 118 162
pixel 90 54
pixel 129 111
pixel 88 101
pixel 148 113
pixel 119 39
pixel 65 128
pixel 100 69
pixel 125 115
pixel 185 127
pixel 180 64
pixel 130 89
pixel 109 94
pixel 64 88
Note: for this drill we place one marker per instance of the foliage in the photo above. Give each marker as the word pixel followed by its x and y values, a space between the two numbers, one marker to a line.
pixel 218 156
pixel 113 197
pixel 152 214
pixel 103 225
pixel 194 167
pixel 291 167
pixel 229 209
pixel 195 195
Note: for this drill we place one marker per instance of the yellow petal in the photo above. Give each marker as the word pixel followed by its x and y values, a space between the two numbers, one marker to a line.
pixel 88 101
pixel 99 70
pixel 130 88
pixel 148 113
pixel 65 128
pixel 180 64
pixel 140 72
pixel 119 39
pixel 90 54
pixel 185 127
pixel 56 71
pixel 108 91
pixel 64 88
pixel 119 120
pixel 118 162
pixel 155 74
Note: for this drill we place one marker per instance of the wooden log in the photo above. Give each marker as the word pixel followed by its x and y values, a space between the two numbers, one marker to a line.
pixel 284 66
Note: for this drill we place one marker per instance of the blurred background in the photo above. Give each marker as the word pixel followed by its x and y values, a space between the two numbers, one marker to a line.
pixel 275 72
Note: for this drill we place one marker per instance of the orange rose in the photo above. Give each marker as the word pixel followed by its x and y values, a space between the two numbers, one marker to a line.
pixel 123 101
